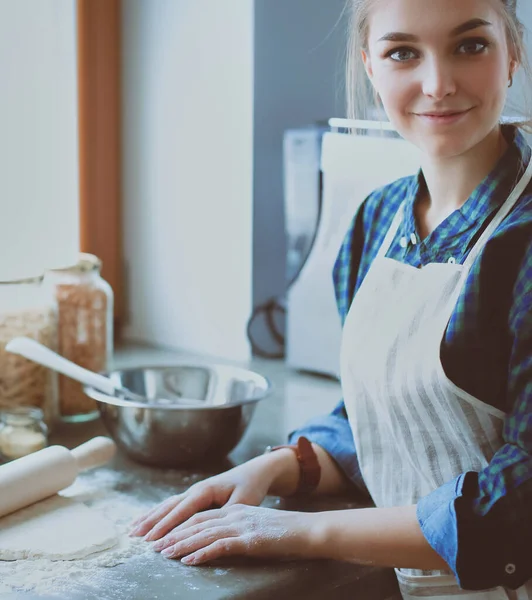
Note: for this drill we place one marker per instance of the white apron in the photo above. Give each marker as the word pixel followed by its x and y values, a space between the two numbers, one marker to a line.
pixel 415 430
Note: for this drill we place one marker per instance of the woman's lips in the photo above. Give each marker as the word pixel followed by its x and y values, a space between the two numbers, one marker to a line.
pixel 447 118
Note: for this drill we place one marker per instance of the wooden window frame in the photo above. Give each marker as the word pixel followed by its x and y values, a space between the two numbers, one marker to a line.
pixel 99 81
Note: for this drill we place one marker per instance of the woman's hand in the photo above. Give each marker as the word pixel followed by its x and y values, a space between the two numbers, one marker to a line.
pixel 248 484
pixel 239 530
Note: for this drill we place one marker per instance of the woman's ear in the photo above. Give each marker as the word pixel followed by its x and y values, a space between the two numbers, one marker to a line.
pixel 369 72
pixel 367 65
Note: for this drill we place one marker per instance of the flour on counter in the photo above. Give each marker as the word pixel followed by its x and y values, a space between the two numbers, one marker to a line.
pixel 96 490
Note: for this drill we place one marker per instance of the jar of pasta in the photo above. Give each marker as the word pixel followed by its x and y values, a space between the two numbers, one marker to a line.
pixel 85 330
pixel 27 309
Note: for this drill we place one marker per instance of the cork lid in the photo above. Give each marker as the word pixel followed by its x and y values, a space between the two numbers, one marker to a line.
pixel 87 263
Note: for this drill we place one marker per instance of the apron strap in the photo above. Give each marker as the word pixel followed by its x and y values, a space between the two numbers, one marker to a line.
pixel 387 242
pixel 488 232
pixel 499 217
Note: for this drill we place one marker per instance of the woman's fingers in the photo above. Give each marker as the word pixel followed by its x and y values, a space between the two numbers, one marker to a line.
pixel 175 539
pixel 194 525
pixel 147 521
pixel 218 549
pixel 179 515
pixel 205 546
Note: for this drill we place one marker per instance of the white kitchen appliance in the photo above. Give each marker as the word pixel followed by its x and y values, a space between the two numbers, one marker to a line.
pixel 302 190
pixel 352 166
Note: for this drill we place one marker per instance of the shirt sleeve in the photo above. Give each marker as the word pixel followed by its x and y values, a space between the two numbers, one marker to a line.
pixel 333 433
pixel 481 523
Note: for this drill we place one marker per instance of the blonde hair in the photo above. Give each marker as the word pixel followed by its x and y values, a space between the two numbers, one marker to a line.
pixel 361 100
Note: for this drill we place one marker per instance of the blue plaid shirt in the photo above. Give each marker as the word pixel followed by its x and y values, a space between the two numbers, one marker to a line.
pixel 480 523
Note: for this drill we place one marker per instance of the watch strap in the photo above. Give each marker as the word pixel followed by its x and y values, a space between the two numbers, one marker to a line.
pixel 309 466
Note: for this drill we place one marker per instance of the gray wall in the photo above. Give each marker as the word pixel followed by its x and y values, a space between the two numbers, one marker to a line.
pixel 299 78
pixel 525 13
pixel 521 88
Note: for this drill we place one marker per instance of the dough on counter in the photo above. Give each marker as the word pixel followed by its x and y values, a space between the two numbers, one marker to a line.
pixel 57 529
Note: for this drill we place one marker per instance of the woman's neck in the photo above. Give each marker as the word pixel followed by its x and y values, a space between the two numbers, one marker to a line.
pixel 450 182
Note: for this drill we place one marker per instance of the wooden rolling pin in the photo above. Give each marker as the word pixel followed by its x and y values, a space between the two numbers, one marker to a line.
pixel 37 476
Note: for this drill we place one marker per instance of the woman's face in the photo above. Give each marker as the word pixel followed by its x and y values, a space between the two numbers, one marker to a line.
pixel 441 68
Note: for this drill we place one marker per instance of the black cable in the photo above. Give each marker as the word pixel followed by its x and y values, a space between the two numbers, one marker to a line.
pixel 268 308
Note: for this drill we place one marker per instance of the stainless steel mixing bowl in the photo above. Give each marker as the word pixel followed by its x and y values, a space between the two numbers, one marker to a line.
pixel 196 413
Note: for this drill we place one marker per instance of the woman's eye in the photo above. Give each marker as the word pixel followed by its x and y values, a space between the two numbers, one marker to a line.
pixel 473 47
pixel 401 54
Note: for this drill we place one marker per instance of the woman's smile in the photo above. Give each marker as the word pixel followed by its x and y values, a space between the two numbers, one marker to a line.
pixel 443 117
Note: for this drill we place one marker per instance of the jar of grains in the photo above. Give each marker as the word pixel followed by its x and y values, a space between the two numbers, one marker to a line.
pixel 27 309
pixel 85 330
pixel 22 432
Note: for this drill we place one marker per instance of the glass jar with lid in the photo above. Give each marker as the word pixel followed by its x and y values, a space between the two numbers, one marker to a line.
pixel 27 309
pixel 22 432
pixel 85 330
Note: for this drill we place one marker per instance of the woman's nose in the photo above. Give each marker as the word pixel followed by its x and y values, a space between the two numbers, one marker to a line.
pixel 438 80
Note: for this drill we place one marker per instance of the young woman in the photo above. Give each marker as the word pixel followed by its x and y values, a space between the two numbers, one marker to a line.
pixel 434 284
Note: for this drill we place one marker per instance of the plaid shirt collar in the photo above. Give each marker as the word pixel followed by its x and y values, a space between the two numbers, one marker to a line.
pixel 490 194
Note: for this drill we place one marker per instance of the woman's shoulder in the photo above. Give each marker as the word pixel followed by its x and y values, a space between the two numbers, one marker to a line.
pixel 519 220
pixel 511 243
pixel 521 215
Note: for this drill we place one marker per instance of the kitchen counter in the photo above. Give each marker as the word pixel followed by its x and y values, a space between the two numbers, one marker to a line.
pixel 296 398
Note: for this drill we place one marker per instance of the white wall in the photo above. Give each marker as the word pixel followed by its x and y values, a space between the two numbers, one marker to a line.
pixel 39 190
pixel 188 185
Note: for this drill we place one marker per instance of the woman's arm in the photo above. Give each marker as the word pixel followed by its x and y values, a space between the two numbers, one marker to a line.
pixel 376 536
pixel 389 537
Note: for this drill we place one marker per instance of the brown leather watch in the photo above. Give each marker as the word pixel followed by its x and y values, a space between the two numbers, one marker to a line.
pixel 309 466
